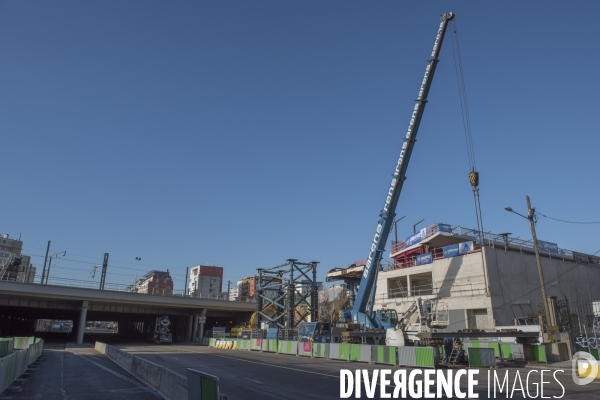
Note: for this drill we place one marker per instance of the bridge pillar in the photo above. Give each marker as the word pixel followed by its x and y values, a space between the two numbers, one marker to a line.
pixel 204 310
pixel 82 317
pixel 195 325
pixel 190 324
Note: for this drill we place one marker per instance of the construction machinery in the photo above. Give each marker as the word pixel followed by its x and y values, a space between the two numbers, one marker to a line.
pixel 430 315
pixel 160 332
pixel 363 324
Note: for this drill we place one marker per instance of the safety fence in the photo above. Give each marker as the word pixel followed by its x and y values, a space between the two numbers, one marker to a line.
pixel 509 351
pixel 424 357
pixel 15 362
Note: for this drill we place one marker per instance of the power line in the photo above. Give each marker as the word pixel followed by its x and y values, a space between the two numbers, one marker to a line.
pixel 568 222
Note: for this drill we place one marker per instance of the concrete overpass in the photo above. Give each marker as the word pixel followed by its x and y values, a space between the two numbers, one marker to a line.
pixel 23 303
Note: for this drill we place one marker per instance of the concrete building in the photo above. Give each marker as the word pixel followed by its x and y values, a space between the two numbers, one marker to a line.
pixel 14 266
pixel 486 284
pixel 206 282
pixel 156 282
pixel 247 286
pixel 234 292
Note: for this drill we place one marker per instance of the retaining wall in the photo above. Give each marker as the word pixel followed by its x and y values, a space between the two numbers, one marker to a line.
pixel 171 384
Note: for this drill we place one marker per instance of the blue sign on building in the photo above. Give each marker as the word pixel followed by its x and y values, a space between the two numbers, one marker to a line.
pixel 444 228
pixel 548 247
pixel 416 238
pixel 465 247
pixel 424 259
pixel 450 251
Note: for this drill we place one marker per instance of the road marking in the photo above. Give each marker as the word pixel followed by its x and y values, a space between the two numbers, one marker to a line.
pixel 252 380
pixel 267 364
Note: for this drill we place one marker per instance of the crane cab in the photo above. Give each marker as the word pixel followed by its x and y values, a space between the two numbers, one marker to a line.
pixel 388 318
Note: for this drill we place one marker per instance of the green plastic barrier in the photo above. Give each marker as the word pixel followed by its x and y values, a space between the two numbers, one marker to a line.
pixel 595 353
pixel 212 342
pixel 383 355
pixel 344 351
pixel 355 352
pixel 286 347
pixel 496 347
pixel 481 357
pixel 539 353
pixel 425 357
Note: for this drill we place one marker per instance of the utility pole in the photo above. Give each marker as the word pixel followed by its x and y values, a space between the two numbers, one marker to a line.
pixel 57 255
pixel 45 261
pixel 531 218
pixel 104 267
pixel 185 288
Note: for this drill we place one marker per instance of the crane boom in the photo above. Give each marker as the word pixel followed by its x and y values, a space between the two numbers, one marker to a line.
pixel 360 312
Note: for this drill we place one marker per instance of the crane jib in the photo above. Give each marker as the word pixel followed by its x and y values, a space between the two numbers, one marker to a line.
pixel 399 173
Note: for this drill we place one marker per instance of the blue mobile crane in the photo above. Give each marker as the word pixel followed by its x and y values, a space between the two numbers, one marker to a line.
pixel 363 324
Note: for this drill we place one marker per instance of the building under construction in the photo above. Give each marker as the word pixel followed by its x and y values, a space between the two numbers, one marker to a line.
pixel 487 280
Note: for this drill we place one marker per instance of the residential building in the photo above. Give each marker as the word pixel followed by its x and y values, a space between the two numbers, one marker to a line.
pixel 206 281
pixel 156 282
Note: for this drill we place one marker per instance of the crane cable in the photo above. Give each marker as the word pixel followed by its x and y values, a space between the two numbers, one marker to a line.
pixel 462 92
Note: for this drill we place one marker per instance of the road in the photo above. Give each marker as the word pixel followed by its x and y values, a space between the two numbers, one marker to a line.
pixel 255 375
pixel 79 372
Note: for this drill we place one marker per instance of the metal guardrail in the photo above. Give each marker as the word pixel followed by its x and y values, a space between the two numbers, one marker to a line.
pixel 492 240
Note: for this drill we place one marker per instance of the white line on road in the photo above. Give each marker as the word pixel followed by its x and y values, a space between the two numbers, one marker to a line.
pixel 252 380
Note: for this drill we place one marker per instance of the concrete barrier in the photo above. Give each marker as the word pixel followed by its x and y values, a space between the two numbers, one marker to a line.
pixel 360 352
pixel 255 344
pixel 269 345
pixel 339 351
pixel 383 355
pixel 320 350
pixel 511 351
pixel 481 357
pixel 15 364
pixel 21 343
pixel 287 347
pixel 169 383
pixel 418 356
pixel 305 349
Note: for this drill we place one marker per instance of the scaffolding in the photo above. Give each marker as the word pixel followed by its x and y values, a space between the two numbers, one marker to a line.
pixel 287 295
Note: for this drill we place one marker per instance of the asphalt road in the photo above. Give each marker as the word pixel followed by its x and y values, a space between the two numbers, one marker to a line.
pixel 79 372
pixel 255 375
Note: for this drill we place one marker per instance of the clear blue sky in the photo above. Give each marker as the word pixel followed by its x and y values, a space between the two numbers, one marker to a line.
pixel 241 134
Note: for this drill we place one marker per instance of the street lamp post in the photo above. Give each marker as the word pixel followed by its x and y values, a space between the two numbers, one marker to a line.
pixel 531 217
pixel 415 225
pixel 396 228
pixel 137 265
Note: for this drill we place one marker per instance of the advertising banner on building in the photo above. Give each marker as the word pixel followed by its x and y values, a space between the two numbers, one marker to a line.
pixel 424 259
pixel 466 247
pixel 547 247
pixel 450 251
pixel 444 228
pixel 416 238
